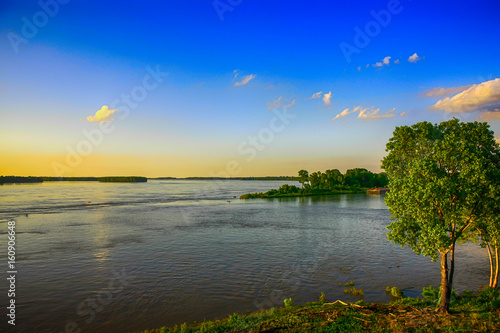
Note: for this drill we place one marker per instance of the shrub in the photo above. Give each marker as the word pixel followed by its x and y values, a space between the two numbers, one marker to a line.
pixel 489 293
pixel 355 292
pixel 433 295
pixel 396 292
pixel 467 293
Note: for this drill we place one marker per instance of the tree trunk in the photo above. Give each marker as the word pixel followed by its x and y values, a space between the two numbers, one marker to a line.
pixel 492 265
pixel 445 290
pixel 452 267
pixel 495 281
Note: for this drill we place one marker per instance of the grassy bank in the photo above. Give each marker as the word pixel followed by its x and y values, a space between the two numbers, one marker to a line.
pixel 469 313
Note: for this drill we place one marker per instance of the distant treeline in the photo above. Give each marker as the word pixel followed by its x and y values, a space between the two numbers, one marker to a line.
pixel 70 179
pixel 122 179
pixel 329 179
pixel 16 179
pixel 238 178
pixel 272 178
pixel 329 182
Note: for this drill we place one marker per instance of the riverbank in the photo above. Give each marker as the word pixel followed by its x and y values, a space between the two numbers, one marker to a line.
pixel 468 313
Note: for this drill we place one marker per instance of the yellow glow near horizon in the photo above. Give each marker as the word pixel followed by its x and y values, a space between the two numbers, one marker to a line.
pixel 154 166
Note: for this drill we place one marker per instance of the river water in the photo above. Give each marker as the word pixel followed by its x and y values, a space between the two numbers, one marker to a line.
pixel 111 257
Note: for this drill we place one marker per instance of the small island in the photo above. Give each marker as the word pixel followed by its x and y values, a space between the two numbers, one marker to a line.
pixel 330 182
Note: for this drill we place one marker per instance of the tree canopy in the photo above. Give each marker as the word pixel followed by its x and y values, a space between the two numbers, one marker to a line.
pixel 442 178
pixel 331 179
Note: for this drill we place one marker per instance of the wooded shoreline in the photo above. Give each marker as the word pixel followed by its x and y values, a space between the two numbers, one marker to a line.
pixel 27 180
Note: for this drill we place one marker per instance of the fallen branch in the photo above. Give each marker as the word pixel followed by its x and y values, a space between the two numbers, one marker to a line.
pixel 343 303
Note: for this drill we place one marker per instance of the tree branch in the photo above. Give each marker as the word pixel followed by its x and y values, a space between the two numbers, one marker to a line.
pixel 467 223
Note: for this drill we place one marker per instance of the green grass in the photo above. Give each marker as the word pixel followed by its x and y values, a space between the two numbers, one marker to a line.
pixel 469 313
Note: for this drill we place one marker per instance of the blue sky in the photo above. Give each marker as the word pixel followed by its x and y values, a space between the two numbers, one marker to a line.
pixel 227 61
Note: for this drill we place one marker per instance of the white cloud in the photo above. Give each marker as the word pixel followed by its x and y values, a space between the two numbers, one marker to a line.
pixel 437 92
pixel 278 104
pixel 291 104
pixel 414 58
pixel 372 113
pixel 327 99
pixel 483 96
pixel 386 61
pixel 367 65
pixel 397 61
pixel 402 114
pixel 104 114
pixel 245 80
pixel 346 112
pixel 359 68
pixel 236 73
pixel 368 113
pixel 316 95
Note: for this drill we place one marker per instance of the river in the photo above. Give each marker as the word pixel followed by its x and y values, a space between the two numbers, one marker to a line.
pixel 120 257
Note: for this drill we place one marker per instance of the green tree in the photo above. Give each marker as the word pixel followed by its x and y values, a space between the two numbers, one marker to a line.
pixel 315 180
pixel 304 177
pixel 488 230
pixel 441 177
pixel 359 177
pixel 287 189
pixel 324 185
pixel 490 238
pixel 333 178
pixel 381 180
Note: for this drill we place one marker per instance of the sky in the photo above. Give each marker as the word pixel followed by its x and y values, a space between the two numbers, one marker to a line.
pixel 234 87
